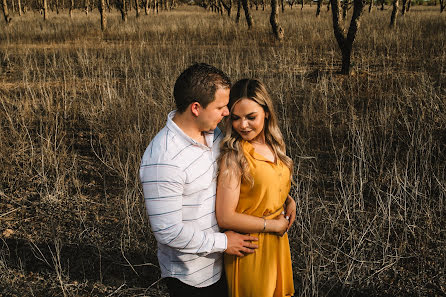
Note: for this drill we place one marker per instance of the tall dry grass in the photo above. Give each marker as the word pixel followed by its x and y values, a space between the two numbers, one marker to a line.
pixel 78 107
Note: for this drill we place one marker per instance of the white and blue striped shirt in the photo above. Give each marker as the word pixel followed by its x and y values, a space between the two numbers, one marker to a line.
pixel 178 175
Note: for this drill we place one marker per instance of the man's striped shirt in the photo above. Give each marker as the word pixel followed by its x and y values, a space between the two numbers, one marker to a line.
pixel 178 175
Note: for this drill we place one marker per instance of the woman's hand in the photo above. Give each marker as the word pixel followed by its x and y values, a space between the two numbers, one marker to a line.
pixel 279 225
pixel 290 211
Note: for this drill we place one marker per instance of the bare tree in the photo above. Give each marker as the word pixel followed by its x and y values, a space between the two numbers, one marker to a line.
pixel 442 5
pixel 247 14
pixel 19 3
pixel 86 6
pixel 274 21
pixel 123 8
pixel 101 7
pixel 394 14
pixel 404 8
pixel 137 8
pixel 237 17
pixel 318 9
pixel 146 7
pixel 71 8
pixel 227 7
pixel 346 42
pixel 8 19
pixel 345 7
pixel 45 10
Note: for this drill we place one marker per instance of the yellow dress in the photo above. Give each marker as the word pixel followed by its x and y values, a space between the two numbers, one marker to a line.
pixel 267 272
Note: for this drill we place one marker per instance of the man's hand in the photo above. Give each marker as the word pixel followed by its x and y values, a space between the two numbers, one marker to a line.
pixel 240 244
pixel 290 211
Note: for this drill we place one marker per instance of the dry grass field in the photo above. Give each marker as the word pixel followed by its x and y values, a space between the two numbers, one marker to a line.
pixel 78 107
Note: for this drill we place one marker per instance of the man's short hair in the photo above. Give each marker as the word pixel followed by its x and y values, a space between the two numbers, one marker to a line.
pixel 198 83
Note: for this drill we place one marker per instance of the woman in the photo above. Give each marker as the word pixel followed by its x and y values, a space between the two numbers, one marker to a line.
pixel 253 185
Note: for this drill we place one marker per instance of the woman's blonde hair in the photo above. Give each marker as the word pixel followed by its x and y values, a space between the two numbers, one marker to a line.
pixel 231 154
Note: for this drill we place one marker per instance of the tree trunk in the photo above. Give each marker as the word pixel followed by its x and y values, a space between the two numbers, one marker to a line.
pixel 302 7
pixel 346 42
pixel 442 5
pixel 137 8
pixel 409 3
pixel 328 6
pixel 371 5
pixel 86 6
pixel 344 9
pixel 57 6
pixel 71 8
pixel 19 3
pixel 5 12
pixel 274 21
pixel 263 5
pixel 394 14
pixel 237 17
pixel 247 15
pixel 45 10
pixel 318 9
pixel 101 8
pixel 227 7
pixel 403 9
pixel 283 7
pixel 13 6
pixel 123 9
pixel 146 7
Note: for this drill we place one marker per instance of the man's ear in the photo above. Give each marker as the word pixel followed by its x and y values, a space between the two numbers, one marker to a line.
pixel 195 108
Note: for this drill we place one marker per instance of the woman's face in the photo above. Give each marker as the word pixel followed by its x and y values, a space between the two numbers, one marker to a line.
pixel 248 119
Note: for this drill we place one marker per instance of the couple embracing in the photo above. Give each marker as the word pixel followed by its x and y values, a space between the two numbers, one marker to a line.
pixel 218 203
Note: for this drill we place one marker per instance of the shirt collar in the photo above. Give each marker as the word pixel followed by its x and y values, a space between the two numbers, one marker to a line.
pixel 171 125
pixel 247 147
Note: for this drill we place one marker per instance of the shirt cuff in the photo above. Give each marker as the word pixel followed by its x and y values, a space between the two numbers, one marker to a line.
pixel 221 242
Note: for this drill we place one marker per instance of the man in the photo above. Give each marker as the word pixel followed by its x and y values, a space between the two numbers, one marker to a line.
pixel 178 173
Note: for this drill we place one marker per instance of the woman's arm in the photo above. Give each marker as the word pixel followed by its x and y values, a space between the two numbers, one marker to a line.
pixel 228 192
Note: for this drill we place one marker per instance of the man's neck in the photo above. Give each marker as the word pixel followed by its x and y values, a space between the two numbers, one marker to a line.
pixel 187 124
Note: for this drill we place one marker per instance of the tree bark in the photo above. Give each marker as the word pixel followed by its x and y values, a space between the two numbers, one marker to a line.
pixel 86 6
pixel 247 14
pixel 19 3
pixel 71 8
pixel 137 8
pixel 274 21
pixel 394 14
pixel 101 8
pixel 146 7
pixel 318 9
pixel 237 17
pixel 227 7
pixel 344 9
pixel 403 9
pixel 346 42
pixel 45 10
pixel 123 10
pixel 5 12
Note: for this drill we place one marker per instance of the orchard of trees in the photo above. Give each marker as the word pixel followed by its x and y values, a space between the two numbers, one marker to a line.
pixel 345 36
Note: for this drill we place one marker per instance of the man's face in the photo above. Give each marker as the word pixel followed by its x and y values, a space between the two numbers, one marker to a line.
pixel 215 111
